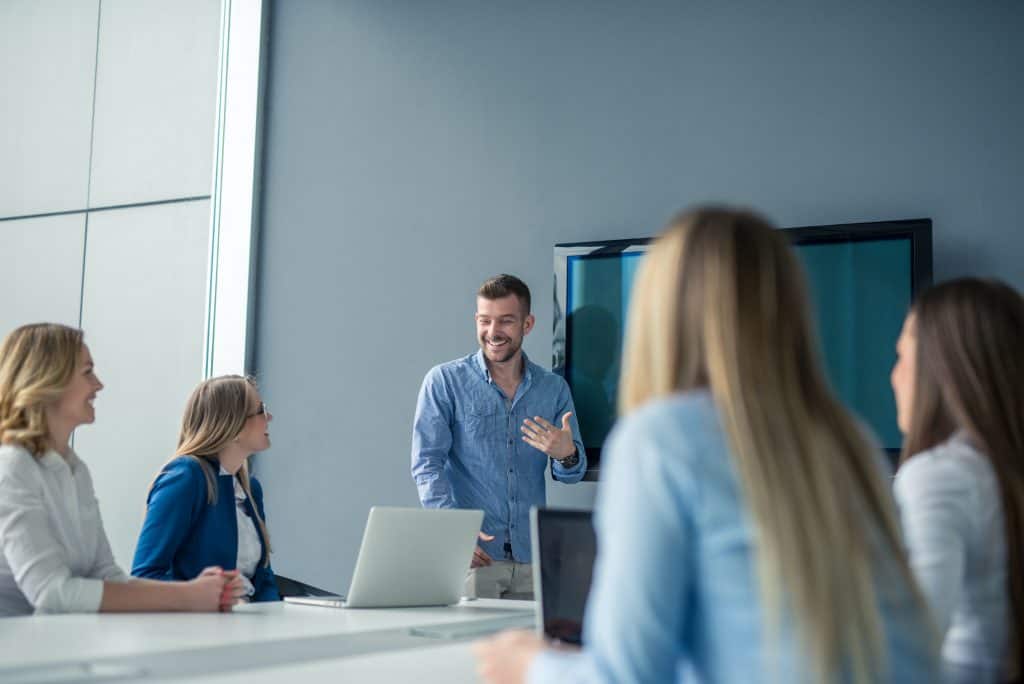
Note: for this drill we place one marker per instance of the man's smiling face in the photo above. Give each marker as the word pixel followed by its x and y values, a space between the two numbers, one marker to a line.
pixel 501 325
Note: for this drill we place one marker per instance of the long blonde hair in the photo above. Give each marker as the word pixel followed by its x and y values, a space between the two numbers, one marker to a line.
pixel 37 362
pixel 214 415
pixel 720 302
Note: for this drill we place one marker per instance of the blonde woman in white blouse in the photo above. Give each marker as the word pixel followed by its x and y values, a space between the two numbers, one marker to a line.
pixel 54 554
pixel 959 385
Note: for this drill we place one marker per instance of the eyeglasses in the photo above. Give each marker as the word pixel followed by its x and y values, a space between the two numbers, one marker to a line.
pixel 262 410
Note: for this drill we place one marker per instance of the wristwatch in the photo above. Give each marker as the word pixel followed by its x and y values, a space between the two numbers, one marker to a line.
pixel 569 461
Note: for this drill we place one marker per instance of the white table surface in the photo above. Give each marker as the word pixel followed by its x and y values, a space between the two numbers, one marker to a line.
pixel 254 639
pixel 442 664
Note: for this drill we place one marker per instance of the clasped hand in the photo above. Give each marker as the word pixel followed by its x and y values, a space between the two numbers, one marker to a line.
pixel 225 583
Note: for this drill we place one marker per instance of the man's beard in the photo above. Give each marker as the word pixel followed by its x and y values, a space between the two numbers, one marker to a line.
pixel 502 354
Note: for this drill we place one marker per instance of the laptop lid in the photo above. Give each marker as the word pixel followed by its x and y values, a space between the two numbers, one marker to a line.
pixel 564 547
pixel 413 557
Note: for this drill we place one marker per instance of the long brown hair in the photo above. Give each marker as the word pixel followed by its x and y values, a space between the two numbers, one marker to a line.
pixel 969 375
pixel 720 302
pixel 214 415
pixel 37 362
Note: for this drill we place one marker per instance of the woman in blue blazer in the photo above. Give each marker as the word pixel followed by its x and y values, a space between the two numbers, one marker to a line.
pixel 203 508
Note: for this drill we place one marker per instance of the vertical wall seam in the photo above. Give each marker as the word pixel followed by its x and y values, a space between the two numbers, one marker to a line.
pixel 88 182
pixel 88 177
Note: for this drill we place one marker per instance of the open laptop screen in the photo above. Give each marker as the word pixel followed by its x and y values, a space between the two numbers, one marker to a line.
pixel 564 547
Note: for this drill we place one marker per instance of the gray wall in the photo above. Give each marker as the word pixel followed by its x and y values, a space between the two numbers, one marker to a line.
pixel 412 149
pixel 106 161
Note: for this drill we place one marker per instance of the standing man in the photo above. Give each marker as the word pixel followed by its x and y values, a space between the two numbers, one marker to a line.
pixel 486 426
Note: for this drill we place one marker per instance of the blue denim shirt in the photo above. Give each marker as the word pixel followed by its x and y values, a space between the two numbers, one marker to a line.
pixel 675 595
pixel 468 452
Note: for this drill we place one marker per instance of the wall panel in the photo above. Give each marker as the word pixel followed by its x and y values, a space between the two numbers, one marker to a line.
pixel 156 95
pixel 47 65
pixel 143 313
pixel 41 276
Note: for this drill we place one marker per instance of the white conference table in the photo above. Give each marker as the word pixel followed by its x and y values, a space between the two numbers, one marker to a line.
pixel 260 642
pixel 437 665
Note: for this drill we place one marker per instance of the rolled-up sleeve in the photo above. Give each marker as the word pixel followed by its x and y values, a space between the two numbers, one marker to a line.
pixel 432 442
pixel 558 471
pixel 34 555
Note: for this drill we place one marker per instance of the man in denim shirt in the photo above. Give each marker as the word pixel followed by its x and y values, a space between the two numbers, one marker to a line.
pixel 485 427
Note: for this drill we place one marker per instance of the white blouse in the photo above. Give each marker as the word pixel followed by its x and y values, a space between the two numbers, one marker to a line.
pixel 55 554
pixel 953 523
pixel 250 551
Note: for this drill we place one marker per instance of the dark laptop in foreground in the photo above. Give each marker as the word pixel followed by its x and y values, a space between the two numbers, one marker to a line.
pixel 409 557
pixel 564 548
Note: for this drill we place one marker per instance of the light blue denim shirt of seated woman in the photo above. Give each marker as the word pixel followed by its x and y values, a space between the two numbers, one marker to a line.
pixel 468 451
pixel 675 594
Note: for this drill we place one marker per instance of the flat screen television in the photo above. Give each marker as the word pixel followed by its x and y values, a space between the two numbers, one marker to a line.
pixel 862 276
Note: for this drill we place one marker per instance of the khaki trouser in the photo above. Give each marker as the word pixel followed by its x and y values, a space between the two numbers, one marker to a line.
pixel 501 579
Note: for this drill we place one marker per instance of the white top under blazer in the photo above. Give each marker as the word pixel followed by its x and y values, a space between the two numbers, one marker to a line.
pixel 953 525
pixel 55 554
pixel 250 548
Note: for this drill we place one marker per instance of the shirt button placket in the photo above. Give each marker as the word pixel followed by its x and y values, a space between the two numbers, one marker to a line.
pixel 511 439
pixel 510 454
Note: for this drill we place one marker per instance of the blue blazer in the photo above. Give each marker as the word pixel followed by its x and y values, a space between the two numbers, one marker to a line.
pixel 183 534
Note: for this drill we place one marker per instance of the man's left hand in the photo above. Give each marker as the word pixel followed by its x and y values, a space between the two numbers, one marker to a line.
pixel 556 443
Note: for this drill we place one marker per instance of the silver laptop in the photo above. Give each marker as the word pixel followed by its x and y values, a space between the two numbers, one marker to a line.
pixel 564 547
pixel 409 557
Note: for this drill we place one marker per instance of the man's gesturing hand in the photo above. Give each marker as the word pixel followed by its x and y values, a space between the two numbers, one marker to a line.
pixel 542 435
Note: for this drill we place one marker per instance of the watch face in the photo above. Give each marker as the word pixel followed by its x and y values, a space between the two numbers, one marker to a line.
pixel 570 461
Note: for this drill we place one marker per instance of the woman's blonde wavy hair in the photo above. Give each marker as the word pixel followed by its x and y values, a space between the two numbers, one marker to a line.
pixel 214 415
pixel 721 302
pixel 37 362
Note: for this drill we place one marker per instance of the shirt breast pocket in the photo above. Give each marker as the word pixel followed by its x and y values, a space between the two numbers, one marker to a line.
pixel 479 420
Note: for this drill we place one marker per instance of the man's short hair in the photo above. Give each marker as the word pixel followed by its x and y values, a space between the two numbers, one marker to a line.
pixel 503 285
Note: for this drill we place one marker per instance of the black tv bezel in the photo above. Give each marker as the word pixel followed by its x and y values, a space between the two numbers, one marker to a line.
pixel 918 230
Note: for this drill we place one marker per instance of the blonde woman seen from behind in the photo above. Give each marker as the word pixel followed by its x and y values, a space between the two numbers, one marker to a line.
pixel 959 386
pixel 745 529
pixel 55 555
